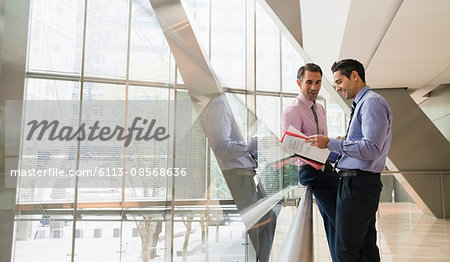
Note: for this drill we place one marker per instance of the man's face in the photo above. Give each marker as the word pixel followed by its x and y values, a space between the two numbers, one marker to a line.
pixel 345 85
pixel 310 84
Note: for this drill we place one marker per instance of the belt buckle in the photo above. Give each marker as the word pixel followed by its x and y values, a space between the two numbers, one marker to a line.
pixel 348 173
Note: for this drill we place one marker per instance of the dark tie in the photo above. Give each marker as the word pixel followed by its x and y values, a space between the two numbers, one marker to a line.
pixel 352 110
pixel 314 109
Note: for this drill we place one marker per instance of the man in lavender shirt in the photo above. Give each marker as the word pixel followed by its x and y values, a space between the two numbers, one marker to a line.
pixel 363 156
pixel 309 117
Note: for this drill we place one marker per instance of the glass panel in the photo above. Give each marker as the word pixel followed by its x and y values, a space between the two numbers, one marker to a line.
pixel 190 154
pixel 43 237
pixel 106 155
pixel 102 91
pixel 41 156
pixel 198 13
pixel 218 186
pixel 267 52
pixel 141 156
pixel 268 111
pixel 292 61
pixel 143 239
pixel 89 246
pixel 239 110
pixel 192 245
pixel 335 120
pixel 149 51
pixel 43 89
pixel 227 239
pixel 106 38
pixel 287 101
pixel 56 35
pixel 148 93
pixel 228 42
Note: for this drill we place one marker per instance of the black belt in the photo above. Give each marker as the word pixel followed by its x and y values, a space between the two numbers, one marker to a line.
pixel 328 166
pixel 355 173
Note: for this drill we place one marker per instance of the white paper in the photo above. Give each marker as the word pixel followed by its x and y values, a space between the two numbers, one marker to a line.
pixel 298 146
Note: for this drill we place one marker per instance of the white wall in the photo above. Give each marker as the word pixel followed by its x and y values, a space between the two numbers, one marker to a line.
pixel 323 24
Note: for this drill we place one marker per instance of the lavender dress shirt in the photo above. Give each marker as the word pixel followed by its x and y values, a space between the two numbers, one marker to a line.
pixel 369 136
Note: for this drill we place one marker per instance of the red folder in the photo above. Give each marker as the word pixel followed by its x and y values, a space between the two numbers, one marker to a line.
pixel 315 164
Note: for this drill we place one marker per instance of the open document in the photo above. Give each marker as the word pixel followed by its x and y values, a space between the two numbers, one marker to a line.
pixel 295 142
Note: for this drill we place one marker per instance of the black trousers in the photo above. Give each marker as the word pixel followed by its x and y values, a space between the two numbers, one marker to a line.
pixel 356 205
pixel 324 186
pixel 245 193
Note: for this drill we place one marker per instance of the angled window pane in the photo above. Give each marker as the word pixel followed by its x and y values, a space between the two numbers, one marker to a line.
pixel 228 42
pixel 292 61
pixel 267 52
pixel 149 51
pixel 56 34
pixel 106 38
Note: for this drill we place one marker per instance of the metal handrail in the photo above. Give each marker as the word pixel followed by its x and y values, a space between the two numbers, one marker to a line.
pixel 252 214
pixel 298 245
pixel 415 172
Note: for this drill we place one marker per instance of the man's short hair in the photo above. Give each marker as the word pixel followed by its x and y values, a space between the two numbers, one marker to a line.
pixel 310 67
pixel 347 66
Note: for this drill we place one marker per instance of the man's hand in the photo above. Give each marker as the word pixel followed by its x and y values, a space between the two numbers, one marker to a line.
pixel 320 141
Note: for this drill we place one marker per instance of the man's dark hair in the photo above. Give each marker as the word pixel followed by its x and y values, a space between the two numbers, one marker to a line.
pixel 347 66
pixel 310 67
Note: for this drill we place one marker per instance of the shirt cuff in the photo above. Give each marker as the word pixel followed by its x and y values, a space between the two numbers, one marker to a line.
pixel 335 145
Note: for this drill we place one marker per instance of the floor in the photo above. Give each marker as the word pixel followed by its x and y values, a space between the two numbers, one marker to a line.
pixel 405 233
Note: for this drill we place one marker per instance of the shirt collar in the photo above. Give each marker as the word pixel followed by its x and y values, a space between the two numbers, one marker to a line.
pixel 301 98
pixel 361 93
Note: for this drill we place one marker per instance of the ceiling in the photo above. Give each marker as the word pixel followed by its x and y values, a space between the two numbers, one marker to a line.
pixel 402 43
pixel 415 48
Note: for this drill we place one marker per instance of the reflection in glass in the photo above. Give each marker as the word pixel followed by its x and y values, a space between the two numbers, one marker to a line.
pixel 198 13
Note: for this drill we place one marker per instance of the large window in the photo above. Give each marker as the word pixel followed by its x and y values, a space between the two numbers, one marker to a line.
pixel 115 50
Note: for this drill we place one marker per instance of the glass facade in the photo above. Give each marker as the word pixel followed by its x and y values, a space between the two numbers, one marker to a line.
pixel 116 50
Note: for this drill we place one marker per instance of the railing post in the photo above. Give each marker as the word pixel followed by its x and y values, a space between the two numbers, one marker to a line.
pixel 298 245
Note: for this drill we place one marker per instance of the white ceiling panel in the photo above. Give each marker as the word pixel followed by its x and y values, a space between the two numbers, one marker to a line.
pixel 415 48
